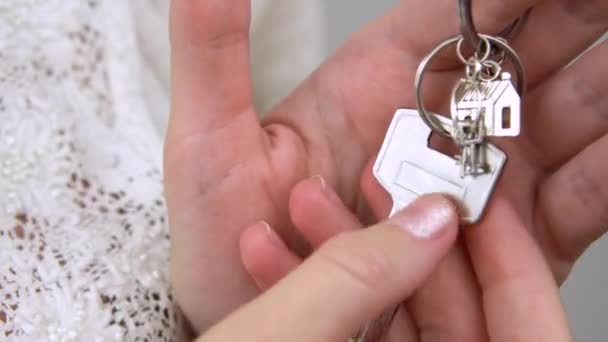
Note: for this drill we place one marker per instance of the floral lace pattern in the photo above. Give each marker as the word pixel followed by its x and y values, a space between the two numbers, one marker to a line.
pixel 83 238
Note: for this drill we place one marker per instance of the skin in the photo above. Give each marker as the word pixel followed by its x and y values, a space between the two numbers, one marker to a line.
pixel 357 273
pixel 225 169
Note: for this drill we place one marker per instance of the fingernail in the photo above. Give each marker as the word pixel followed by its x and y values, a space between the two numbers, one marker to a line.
pixel 273 237
pixel 319 179
pixel 327 190
pixel 427 217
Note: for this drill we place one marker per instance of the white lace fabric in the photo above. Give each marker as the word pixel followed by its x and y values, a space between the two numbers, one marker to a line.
pixel 84 245
pixel 83 239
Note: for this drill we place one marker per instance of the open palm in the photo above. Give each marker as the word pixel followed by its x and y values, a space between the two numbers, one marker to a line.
pixel 226 170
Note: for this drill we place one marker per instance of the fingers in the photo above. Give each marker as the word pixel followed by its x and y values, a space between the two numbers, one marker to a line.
pixel 448 306
pixel 210 64
pixel 403 328
pixel 265 256
pixel 351 279
pixel 543 46
pixel 379 200
pixel 409 22
pixel 546 47
pixel 568 112
pixel 521 298
pixel 572 205
pixel 318 213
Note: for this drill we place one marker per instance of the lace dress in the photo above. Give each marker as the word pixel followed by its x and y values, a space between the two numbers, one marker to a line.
pixel 83 101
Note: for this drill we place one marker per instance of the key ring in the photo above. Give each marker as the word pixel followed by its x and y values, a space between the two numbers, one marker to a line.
pixel 484 42
pixel 429 119
pixel 470 33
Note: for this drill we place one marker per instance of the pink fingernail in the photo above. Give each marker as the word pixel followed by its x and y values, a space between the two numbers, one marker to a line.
pixel 320 179
pixel 272 235
pixel 427 217
pixel 327 191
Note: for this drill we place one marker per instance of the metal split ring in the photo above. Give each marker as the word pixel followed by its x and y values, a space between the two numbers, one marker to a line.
pixel 486 71
pixel 470 33
pixel 487 50
pixel 434 124
pixel 491 70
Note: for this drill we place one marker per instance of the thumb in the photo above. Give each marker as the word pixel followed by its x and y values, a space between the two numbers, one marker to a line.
pixel 211 81
pixel 351 279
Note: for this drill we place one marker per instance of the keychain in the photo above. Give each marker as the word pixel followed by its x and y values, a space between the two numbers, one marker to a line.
pixel 485 103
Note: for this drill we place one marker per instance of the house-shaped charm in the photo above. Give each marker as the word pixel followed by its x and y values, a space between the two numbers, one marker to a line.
pixel 498 102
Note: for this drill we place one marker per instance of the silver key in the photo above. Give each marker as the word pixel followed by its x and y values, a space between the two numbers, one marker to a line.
pixel 496 101
pixel 407 168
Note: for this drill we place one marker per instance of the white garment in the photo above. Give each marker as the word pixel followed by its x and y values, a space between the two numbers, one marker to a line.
pixel 83 106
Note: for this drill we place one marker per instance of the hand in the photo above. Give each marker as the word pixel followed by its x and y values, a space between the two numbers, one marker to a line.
pixel 519 296
pixel 225 170
pixel 356 275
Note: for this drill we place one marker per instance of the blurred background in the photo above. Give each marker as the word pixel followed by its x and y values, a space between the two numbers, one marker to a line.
pixel 586 293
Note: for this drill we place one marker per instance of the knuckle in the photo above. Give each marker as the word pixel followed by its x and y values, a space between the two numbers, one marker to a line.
pixel 588 12
pixel 590 191
pixel 578 189
pixel 590 94
pixel 502 13
pixel 211 24
pixel 226 39
pixel 368 267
